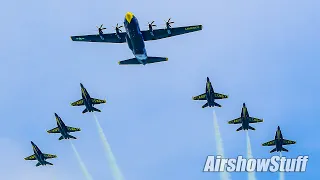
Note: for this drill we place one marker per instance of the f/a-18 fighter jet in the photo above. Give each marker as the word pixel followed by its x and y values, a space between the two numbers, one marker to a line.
pixel 245 119
pixel 135 38
pixel 278 142
pixel 38 155
pixel 87 101
pixel 210 96
pixel 63 129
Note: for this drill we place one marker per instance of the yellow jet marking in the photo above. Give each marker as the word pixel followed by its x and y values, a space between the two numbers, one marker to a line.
pixel 129 16
pixel 192 28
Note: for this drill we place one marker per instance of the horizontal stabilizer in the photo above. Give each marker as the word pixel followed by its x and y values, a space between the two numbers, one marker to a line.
pixel 273 150
pixel 284 149
pixel 60 138
pixel 251 128
pixel 48 163
pixel 95 109
pixel 240 128
pixel 205 105
pixel 72 137
pixel 38 164
pixel 216 104
pixel 84 111
pixel 149 60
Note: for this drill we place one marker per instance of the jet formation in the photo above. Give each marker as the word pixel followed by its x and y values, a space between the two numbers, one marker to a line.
pixel 278 142
pixel 63 129
pixel 135 38
pixel 210 96
pixel 38 155
pixel 245 120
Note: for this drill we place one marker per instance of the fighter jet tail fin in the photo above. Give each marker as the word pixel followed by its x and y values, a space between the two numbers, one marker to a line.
pixel 240 128
pixel 251 128
pixel 273 150
pixel 284 149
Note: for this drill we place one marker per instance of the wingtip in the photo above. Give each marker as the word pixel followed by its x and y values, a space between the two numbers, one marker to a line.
pixel 167 59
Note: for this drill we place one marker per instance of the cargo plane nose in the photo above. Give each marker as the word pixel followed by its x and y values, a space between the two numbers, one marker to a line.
pixel 129 16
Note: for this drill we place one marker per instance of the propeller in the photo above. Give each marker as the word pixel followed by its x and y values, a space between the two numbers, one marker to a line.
pixel 151 24
pixel 117 28
pixel 169 22
pixel 101 28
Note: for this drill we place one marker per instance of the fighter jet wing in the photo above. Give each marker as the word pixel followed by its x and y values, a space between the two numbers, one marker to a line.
pixel 220 96
pixel 107 38
pixel 49 156
pixel 287 142
pixel 54 130
pixel 72 129
pixel 163 33
pixel 97 101
pixel 78 103
pixel 32 157
pixel 200 97
pixel 270 143
pixel 255 120
pixel 235 121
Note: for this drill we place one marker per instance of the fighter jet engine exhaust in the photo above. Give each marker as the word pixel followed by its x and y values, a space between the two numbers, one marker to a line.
pixel 251 175
pixel 219 144
pixel 281 174
pixel 110 157
pixel 81 163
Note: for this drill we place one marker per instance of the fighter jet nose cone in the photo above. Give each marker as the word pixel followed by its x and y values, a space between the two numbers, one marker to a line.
pixel 278 127
pixel 208 79
pixel 244 104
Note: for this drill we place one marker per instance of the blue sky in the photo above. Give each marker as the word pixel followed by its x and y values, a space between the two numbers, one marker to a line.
pixel 263 53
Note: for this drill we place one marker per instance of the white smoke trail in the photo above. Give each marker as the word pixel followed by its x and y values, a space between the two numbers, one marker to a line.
pixel 82 166
pixel 281 174
pixel 219 144
pixel 110 157
pixel 251 175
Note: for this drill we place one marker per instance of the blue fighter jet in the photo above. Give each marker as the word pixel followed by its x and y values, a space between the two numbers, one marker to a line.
pixel 63 129
pixel 38 155
pixel 278 142
pixel 87 101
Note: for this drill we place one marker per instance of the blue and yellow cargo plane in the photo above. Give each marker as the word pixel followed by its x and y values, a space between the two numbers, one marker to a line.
pixel 87 101
pixel 63 129
pixel 38 155
pixel 210 96
pixel 245 119
pixel 278 142
pixel 135 38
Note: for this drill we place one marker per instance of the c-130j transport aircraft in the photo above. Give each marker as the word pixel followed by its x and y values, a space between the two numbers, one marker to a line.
pixel 135 38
